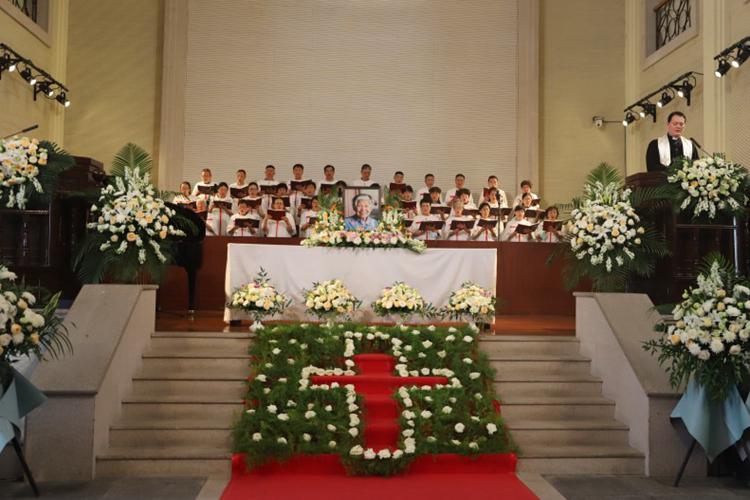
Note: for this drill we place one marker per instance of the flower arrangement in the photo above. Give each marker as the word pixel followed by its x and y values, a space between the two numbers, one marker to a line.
pixel 26 166
pixel 710 186
pixel 709 339
pixel 330 299
pixel 399 299
pixel 288 413
pixel 130 228
pixel 329 231
pixel 607 240
pixel 259 299
pixel 471 301
pixel 27 327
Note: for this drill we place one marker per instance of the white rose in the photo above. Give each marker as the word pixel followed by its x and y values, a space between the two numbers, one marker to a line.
pixel 369 454
pixel 356 451
pixel 459 427
pixel 257 436
pixel 491 428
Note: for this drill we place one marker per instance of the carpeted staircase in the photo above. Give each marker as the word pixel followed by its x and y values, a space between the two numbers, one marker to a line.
pixel 177 420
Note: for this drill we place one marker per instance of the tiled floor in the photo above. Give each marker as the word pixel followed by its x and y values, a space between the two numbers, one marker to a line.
pixel 110 489
pixel 633 488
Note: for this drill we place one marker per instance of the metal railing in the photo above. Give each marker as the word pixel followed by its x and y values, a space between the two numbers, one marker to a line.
pixel 28 7
pixel 673 17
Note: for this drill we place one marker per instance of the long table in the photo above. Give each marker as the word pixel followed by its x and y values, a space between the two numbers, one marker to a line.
pixel 524 282
pixel 365 271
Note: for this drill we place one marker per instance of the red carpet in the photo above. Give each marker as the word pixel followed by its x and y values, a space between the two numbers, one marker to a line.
pixel 321 477
pixel 434 477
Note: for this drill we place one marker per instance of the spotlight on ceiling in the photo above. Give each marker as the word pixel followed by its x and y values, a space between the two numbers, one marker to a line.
pixel 722 68
pixel 666 98
pixel 629 118
pixel 684 90
pixel 647 109
pixel 742 54
pixel 63 99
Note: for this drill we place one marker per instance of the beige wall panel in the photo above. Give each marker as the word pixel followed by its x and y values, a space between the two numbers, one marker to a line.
pixel 413 85
pixel 114 66
pixel 582 65
pixel 738 86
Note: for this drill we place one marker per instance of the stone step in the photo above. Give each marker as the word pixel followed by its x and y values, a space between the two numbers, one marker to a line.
pixel 167 436
pixel 529 345
pixel 164 462
pixel 201 368
pixel 581 460
pixel 548 386
pixel 210 389
pixel 185 412
pixel 519 409
pixel 550 369
pixel 198 345
pixel 206 334
pixel 566 433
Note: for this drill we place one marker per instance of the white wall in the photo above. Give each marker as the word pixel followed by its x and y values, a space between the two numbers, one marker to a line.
pixel 418 85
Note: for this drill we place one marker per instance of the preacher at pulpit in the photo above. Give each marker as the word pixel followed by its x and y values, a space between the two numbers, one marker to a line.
pixel 664 150
pixel 361 220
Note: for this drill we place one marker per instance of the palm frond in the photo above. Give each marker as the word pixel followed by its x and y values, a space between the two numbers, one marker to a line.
pixel 604 174
pixel 131 156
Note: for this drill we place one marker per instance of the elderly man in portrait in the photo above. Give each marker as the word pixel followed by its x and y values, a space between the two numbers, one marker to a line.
pixel 666 149
pixel 361 220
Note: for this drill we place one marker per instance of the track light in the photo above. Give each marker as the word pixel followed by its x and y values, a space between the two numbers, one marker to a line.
pixel 685 90
pixel 647 109
pixel 722 69
pixel 666 98
pixel 629 118
pixel 40 81
pixel 742 55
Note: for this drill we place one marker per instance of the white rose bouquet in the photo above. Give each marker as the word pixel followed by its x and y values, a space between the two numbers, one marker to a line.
pixel 607 240
pixel 471 301
pixel 26 166
pixel 330 299
pixel 26 326
pixel 259 298
pixel 710 186
pixel 400 299
pixel 709 339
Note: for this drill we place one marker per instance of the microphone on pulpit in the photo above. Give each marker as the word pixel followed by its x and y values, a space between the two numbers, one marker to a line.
pixel 698 144
pixel 27 129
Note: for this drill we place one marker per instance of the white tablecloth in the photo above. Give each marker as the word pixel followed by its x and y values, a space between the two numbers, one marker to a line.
pixel 435 273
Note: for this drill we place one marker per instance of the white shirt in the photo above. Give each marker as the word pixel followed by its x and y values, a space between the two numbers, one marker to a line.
pixel 196 194
pixel 361 183
pixel 423 191
pixel 517 199
pixel 243 231
pixel 181 199
pixel 448 233
pixel 303 219
pixel 509 233
pixel 217 219
pixel 451 193
pixel 546 236
pixel 278 229
pixel 427 235
pixel 502 198
pixel 479 233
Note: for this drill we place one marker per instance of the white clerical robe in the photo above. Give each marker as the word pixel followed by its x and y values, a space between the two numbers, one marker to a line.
pixel 243 231
pixel 517 199
pixel 509 233
pixel 665 156
pixel 480 233
pixel 304 218
pixel 197 193
pixel 427 235
pixel 462 235
pixel 278 229
pixel 217 220
pixel 361 183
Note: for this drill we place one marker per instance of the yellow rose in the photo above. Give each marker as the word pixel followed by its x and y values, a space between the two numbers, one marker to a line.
pixel 15 329
pixel 675 339
pixel 34 338
pixel 131 236
pixel 163 234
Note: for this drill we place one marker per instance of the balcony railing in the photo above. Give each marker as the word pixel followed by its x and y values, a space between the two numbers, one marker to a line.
pixel 28 7
pixel 673 17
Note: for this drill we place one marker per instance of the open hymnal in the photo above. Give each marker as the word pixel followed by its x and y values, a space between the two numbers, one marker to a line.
pixel 408 205
pixel 254 202
pixel 466 223
pixel 487 223
pixel 525 227
pixel 298 185
pixel 552 225
pixel 440 209
pixel 268 188
pixel 431 225
pixel 246 223
pixel 238 192
pixel 533 213
pixel 277 214
pixel 223 205
pixel 306 202
pixel 471 212
pixel 535 202
pixel 396 187
pixel 207 189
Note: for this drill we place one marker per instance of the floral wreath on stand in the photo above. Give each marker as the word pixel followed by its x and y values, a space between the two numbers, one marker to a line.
pixel 259 299
pixel 330 300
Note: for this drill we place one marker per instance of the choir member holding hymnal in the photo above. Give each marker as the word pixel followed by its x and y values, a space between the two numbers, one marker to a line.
pixel 185 198
pixel 201 208
pixel 297 183
pixel 526 188
pixel 429 182
pixel 308 218
pixel 486 228
pixel 219 212
pixel 436 196
pixel 408 203
pixel 512 232
pixel 532 212
pixel 238 189
pixel 269 183
pixel 206 187
pixel 426 226
pixel 458 227
pixel 460 180
pixel 278 223
pixel 397 186
pixel 551 229
pixel 244 223
pixel 465 195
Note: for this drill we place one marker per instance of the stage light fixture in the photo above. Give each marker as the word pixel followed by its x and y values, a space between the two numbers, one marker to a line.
pixel 666 98
pixel 685 90
pixel 722 68
pixel 647 109
pixel 629 118
pixel 40 81
pixel 742 54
